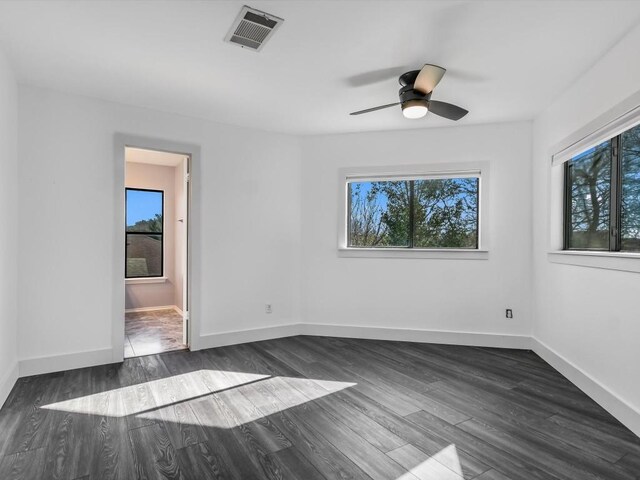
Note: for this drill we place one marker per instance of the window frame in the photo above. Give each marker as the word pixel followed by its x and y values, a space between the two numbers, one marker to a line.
pixel 127 233
pixel 615 202
pixel 415 172
pixel 615 120
pixel 412 210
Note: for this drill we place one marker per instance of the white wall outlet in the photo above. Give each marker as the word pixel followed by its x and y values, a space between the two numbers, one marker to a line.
pixel 267 308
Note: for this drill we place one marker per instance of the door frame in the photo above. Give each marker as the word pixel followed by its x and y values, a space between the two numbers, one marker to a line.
pixel 121 141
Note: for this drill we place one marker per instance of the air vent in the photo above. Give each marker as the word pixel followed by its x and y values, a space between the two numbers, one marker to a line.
pixel 252 28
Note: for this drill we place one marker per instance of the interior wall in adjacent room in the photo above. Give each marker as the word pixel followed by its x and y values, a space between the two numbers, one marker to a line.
pixel 156 177
pixel 180 233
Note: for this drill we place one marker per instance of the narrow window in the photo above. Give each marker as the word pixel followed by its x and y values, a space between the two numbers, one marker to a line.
pixel 426 213
pixel 144 233
pixel 602 196
pixel 589 191
pixel 446 213
pixel 379 214
pixel 630 191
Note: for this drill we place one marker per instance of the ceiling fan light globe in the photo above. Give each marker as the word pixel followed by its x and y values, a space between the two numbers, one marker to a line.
pixel 414 109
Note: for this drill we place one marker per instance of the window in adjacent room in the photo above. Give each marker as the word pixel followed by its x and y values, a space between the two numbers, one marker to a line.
pixel 602 196
pixel 427 212
pixel 144 233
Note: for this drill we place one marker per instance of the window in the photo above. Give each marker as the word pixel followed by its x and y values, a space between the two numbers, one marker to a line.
pixel 144 233
pixel 432 212
pixel 602 196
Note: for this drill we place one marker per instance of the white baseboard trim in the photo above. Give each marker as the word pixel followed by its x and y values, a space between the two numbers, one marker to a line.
pixel 56 363
pixel 375 333
pixel 7 382
pixel 245 336
pixel 607 399
pixel 475 339
pixel 151 309
pixel 68 361
pixel 619 408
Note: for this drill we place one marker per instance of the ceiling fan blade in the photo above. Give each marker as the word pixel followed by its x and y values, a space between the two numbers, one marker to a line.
pixel 375 108
pixel 375 76
pixel 447 110
pixel 428 78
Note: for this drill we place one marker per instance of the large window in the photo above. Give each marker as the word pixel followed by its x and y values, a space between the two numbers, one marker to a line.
pixel 602 196
pixel 421 213
pixel 144 233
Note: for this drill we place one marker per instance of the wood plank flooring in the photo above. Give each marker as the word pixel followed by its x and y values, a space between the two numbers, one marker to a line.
pixel 154 331
pixel 309 408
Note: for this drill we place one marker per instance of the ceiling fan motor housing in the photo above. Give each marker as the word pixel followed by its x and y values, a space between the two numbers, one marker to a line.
pixel 408 78
pixel 407 93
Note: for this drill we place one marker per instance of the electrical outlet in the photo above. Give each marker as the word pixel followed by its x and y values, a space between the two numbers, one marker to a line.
pixel 509 313
pixel 267 308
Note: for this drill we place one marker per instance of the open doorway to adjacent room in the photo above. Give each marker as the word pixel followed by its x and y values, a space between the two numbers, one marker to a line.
pixel 156 251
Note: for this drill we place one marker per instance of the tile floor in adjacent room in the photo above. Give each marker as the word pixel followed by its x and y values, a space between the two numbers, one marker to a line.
pixel 152 332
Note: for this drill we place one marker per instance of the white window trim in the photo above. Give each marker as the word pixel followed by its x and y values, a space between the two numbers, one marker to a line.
pixel 624 262
pixel 141 280
pixel 406 172
pixel 611 123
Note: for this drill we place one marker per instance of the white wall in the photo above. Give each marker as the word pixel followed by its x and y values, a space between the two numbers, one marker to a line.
pixel 268 217
pixel 588 316
pixel 156 177
pixel 249 221
pixel 9 228
pixel 425 294
pixel 252 223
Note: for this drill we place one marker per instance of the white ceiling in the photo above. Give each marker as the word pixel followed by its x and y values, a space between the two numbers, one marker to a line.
pixel 152 157
pixel 506 60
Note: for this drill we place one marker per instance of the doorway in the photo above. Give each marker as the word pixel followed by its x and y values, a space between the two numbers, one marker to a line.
pixel 157 193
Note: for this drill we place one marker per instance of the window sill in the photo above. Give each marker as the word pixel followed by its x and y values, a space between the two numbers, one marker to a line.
pixel 625 262
pixel 138 281
pixel 438 254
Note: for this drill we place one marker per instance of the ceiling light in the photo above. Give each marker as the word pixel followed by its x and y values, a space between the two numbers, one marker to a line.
pixel 414 109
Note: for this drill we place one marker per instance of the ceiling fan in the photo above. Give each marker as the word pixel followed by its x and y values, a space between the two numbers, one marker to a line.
pixel 415 95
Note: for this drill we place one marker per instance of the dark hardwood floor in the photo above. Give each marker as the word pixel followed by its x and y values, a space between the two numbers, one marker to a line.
pixel 310 408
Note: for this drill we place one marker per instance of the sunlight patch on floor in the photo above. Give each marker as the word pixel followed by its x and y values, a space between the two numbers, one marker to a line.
pixel 155 393
pixel 444 465
pixel 242 397
pixel 272 395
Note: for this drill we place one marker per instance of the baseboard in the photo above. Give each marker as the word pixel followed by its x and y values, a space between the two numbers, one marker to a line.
pixel 611 402
pixel 245 336
pixel 604 396
pixel 56 363
pixel 475 339
pixel 69 361
pixel 7 382
pixel 151 309
pixel 374 333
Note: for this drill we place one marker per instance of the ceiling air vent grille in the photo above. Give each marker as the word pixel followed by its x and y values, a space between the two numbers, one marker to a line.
pixel 252 28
